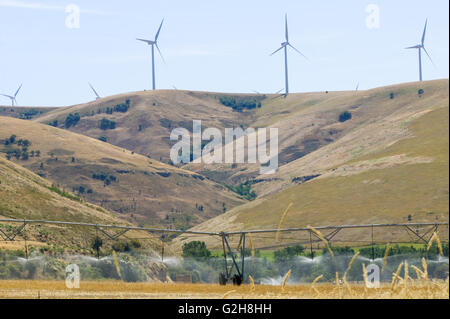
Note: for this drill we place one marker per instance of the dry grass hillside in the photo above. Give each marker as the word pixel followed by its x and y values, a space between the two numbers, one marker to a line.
pixel 388 161
pixel 312 140
pixel 391 167
pixel 138 189
pixel 144 127
pixel 306 122
pixel 25 195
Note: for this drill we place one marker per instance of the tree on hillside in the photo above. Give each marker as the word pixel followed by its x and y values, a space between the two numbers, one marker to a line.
pixel 106 124
pixel 72 119
pixel 288 252
pixel 345 116
pixel 196 249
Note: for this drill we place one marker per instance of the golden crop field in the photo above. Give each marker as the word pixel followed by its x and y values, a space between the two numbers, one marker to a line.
pixel 120 290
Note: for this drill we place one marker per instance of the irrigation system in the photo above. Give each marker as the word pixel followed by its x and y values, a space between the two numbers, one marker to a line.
pixel 330 232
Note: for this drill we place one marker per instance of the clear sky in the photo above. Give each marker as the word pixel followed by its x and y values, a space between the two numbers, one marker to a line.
pixel 213 45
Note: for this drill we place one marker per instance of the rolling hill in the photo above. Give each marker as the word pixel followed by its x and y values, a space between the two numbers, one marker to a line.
pixel 138 189
pixel 387 162
pixel 306 121
pixel 392 166
pixel 144 120
pixel 25 195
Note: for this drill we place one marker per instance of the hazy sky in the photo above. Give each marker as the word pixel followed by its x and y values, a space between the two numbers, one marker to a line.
pixel 213 46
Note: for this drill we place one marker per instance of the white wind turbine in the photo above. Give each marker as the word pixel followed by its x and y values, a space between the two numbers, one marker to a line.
pixel 421 47
pixel 153 44
pixel 284 46
pixel 13 97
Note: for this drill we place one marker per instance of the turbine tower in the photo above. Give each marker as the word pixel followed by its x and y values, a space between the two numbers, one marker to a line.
pixel 95 92
pixel 13 97
pixel 153 44
pixel 420 47
pixel 284 46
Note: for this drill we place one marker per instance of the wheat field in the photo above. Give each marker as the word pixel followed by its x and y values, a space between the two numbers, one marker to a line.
pixel 119 290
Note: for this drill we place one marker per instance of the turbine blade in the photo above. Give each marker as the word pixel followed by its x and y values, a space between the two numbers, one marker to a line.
pixel 277 50
pixel 298 51
pixel 15 94
pixel 413 47
pixel 279 91
pixel 95 92
pixel 159 29
pixel 428 56
pixel 157 47
pixel 144 40
pixel 8 96
pixel 286 27
pixel 424 31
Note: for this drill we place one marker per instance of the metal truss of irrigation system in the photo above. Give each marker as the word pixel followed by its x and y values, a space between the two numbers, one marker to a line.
pixel 224 277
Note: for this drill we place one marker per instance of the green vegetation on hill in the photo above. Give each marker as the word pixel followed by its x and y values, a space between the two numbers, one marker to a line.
pixel 72 120
pixel 240 103
pixel 21 152
pixel 345 116
pixel 196 249
pixel 106 124
pixel 244 189
pixel 122 107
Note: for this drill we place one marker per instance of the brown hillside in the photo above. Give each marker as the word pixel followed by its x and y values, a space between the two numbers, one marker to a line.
pixel 139 189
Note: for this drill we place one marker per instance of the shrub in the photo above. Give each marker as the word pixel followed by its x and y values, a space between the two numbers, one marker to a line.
pixel 196 249
pixel 28 114
pixel 72 120
pixel 240 103
pixel 288 252
pixel 106 178
pixel 122 107
pixel 244 189
pixel 345 116
pixel 63 193
pixel 106 124
pixel 121 246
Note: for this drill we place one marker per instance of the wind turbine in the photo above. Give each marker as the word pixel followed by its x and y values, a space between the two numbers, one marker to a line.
pixel 420 47
pixel 13 98
pixel 95 92
pixel 284 46
pixel 153 44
